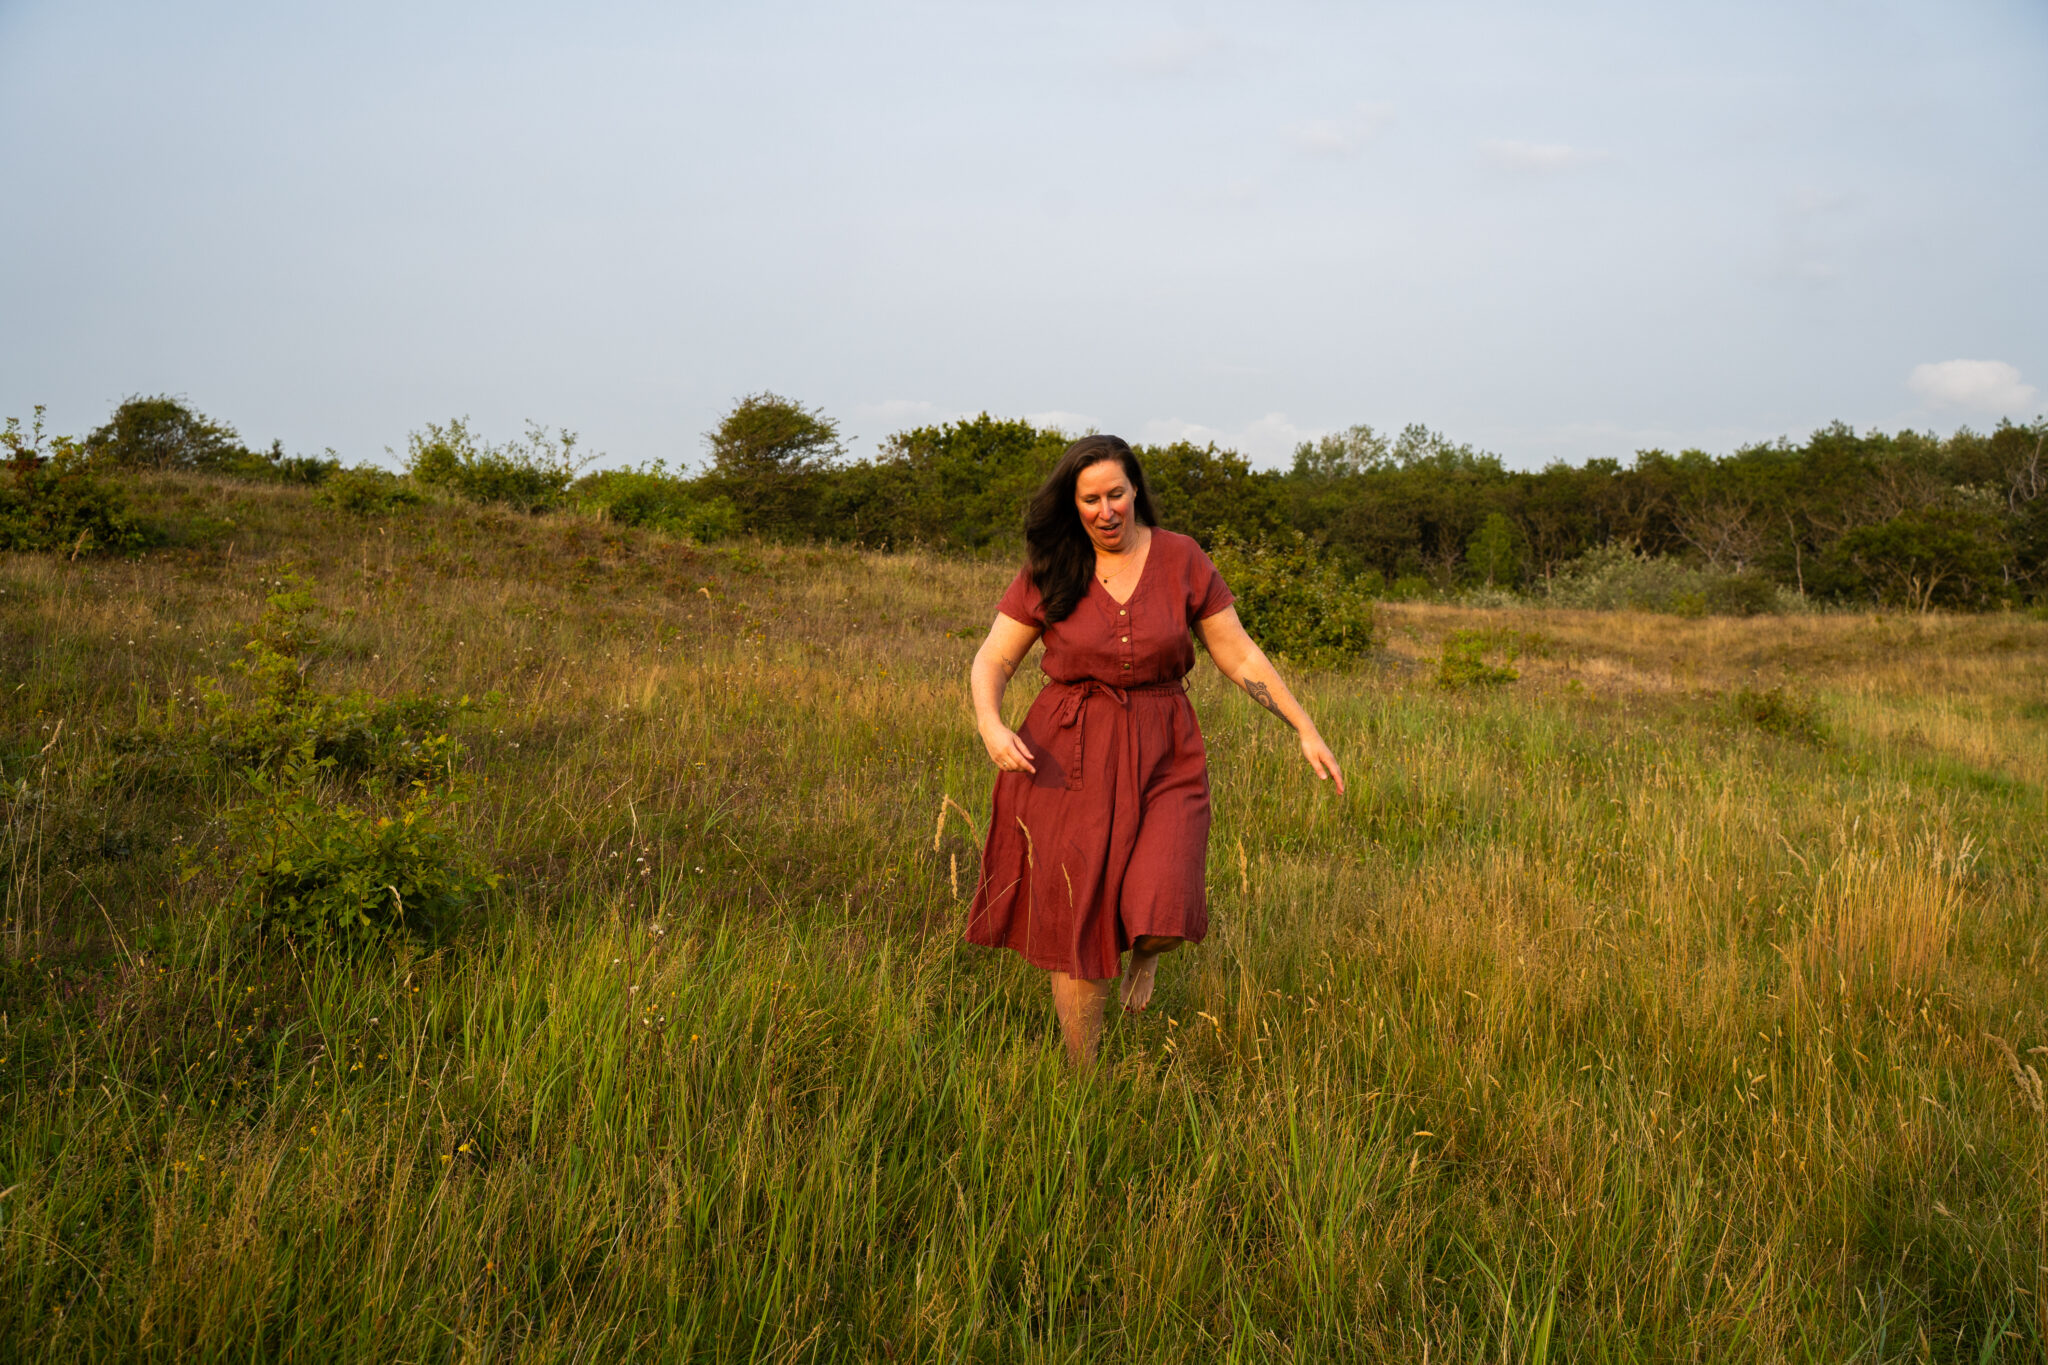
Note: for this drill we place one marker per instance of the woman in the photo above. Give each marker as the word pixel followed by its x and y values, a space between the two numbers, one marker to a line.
pixel 1100 839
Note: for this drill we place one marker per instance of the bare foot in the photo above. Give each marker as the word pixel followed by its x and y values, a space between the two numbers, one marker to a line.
pixel 1137 987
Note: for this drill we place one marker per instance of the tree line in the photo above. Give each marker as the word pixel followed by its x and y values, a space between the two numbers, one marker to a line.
pixel 1907 519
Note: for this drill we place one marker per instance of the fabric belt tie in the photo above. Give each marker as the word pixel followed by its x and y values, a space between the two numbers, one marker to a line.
pixel 1073 706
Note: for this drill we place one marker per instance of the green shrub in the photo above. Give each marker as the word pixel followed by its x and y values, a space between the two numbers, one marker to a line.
pixel 1776 712
pixel 367 491
pixel 1615 577
pixel 654 498
pixel 532 475
pixel 163 433
pixel 1410 588
pixel 311 470
pixel 50 499
pixel 279 713
pixel 1948 556
pixel 332 873
pixel 1740 594
pixel 1296 603
pixel 1464 659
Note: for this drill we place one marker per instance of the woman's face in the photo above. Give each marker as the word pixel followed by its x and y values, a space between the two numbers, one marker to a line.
pixel 1103 496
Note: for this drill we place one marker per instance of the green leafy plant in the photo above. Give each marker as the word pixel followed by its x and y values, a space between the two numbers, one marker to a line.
pixel 328 872
pixel 1493 556
pixel 1932 556
pixel 163 433
pixel 1295 602
pixel 1617 577
pixel 655 498
pixel 1775 711
pixel 769 456
pixel 367 491
pixel 1464 661
pixel 278 712
pixel 50 499
pixel 532 475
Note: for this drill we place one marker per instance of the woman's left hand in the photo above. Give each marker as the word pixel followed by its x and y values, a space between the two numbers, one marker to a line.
pixel 1322 760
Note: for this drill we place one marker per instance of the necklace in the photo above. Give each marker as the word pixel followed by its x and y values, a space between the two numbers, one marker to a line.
pixel 1104 578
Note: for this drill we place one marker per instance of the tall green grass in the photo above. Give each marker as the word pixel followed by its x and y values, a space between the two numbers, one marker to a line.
pixel 1598 1022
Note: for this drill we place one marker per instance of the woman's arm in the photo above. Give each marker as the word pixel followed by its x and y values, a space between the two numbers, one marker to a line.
pixel 1239 658
pixel 1007 643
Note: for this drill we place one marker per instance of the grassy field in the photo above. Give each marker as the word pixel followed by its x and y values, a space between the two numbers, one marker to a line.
pixel 1678 1001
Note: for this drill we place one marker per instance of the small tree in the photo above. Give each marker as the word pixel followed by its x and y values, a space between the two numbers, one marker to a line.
pixel 1493 556
pixel 767 455
pixel 163 433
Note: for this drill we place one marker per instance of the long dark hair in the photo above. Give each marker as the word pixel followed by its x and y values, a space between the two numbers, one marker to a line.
pixel 1060 555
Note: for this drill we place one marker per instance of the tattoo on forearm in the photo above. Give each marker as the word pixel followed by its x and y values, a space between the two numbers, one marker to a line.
pixel 1263 695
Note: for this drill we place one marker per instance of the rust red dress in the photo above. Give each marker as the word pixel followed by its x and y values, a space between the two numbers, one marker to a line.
pixel 1109 839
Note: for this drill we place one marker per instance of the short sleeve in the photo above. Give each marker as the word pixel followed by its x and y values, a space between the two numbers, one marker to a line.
pixel 1022 601
pixel 1207 592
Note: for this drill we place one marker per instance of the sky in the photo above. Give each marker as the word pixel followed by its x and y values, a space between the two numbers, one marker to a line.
pixel 1558 231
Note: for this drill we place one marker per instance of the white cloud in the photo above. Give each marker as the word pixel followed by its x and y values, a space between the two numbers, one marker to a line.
pixel 1987 386
pixel 1346 135
pixel 1545 157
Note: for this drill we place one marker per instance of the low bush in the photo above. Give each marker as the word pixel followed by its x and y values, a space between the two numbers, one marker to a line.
pixel 51 500
pixel 1296 603
pixel 1464 659
pixel 1777 712
pixel 1740 594
pixel 279 713
pixel 330 873
pixel 312 470
pixel 532 475
pixel 165 434
pixel 1617 577
pixel 367 491
pixel 661 501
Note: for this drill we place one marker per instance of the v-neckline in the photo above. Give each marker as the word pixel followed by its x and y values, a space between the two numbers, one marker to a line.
pixel 1151 544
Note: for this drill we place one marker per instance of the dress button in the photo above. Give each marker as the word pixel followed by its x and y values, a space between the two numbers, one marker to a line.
pixel 1120 611
pixel 1127 639
pixel 1127 667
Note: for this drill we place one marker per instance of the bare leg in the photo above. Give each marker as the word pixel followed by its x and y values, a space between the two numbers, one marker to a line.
pixel 1079 1005
pixel 1145 952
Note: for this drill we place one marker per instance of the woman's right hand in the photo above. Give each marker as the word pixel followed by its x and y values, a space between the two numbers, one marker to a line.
pixel 1007 750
